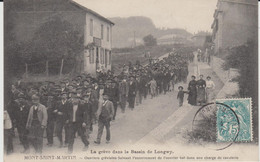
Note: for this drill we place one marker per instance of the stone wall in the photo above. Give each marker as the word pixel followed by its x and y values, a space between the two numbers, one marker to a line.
pixel 230 89
pixel 216 65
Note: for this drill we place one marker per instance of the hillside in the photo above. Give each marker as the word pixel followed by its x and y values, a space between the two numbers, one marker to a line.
pixel 125 29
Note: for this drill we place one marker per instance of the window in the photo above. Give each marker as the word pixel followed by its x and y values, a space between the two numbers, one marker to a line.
pixel 102 31
pixel 91 56
pixel 108 34
pixel 110 58
pixel 106 58
pixel 102 56
pixel 91 27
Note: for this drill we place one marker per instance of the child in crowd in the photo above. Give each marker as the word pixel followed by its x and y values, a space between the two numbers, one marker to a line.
pixel 180 95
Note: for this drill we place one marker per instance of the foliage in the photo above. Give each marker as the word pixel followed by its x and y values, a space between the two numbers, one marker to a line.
pixel 54 39
pixel 245 59
pixel 12 58
pixel 204 128
pixel 150 40
pixel 208 42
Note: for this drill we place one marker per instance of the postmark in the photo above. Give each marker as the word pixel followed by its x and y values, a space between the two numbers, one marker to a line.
pixel 227 128
pixel 204 125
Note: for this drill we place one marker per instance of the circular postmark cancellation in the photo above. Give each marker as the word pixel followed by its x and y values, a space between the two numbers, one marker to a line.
pixel 215 126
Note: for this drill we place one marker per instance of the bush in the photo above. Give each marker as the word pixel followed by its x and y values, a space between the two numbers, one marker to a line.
pixel 245 59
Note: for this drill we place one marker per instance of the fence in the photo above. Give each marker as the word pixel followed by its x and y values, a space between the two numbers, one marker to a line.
pixel 48 68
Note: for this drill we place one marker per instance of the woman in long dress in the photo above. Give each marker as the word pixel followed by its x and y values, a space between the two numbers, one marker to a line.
pixel 201 96
pixel 210 86
pixel 192 98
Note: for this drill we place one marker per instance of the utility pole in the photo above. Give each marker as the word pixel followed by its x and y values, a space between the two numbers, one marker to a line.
pixel 134 40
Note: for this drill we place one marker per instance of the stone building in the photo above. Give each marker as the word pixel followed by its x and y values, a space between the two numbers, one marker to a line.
pixel 200 38
pixel 235 22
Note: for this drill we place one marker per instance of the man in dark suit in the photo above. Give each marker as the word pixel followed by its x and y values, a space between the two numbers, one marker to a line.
pixel 123 92
pixel 93 99
pixel 50 105
pixel 61 109
pixel 131 92
pixel 76 121
pixel 105 113
pixel 87 108
pixel 21 115
pixel 114 96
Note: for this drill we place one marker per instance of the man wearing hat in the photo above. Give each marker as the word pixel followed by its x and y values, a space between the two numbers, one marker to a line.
pixel 139 89
pixel 87 106
pixel 85 83
pixel 60 111
pixel 50 86
pixel 107 88
pixel 21 116
pixel 92 99
pixel 63 87
pixel 131 92
pixel 114 96
pixel 79 91
pixel 76 121
pixel 78 80
pixel 36 123
pixel 94 94
pixel 123 92
pixel 50 105
pixel 104 114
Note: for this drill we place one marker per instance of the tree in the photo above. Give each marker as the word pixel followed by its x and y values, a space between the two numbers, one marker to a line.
pixel 12 63
pixel 56 39
pixel 149 40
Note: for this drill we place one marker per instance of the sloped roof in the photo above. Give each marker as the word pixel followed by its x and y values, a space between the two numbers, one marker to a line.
pixel 91 11
pixel 171 36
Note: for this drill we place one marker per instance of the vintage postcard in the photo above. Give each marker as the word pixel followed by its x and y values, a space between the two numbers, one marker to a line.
pixel 130 80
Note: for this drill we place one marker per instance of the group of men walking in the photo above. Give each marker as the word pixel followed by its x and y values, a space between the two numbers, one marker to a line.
pixel 70 108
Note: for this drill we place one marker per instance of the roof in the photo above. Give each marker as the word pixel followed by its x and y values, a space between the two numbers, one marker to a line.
pixel 170 36
pixel 91 11
pixel 201 34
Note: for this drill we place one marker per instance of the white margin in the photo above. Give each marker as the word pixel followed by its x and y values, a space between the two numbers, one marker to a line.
pixel 1 78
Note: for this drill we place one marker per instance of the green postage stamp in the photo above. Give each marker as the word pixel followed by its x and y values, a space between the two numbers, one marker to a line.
pixel 234 120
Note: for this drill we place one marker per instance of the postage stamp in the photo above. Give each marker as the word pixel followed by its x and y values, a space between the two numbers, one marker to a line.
pixel 234 123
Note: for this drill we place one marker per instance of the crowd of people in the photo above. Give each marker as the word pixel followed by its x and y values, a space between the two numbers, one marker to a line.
pixel 74 105
pixel 204 56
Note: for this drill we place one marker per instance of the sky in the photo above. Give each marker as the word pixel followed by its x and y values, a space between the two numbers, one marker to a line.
pixel 192 15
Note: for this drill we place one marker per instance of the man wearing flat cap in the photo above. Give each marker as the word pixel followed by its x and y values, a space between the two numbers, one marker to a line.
pixel 36 123
pixel 63 87
pixel 76 122
pixel 105 114
pixel 131 92
pixel 50 105
pixel 123 93
pixel 114 96
pixel 60 111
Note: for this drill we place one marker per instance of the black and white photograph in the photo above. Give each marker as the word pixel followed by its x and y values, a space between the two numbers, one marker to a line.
pixel 130 80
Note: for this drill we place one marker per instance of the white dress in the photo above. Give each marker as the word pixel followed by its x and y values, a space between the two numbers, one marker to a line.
pixel 210 86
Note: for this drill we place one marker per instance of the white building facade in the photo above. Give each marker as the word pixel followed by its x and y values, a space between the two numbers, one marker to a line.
pixel 98 43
